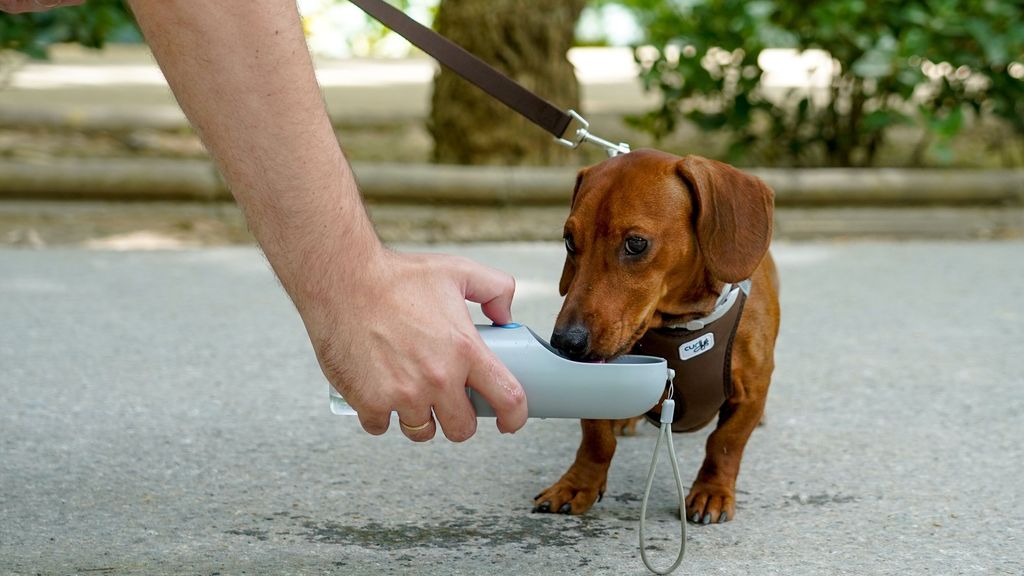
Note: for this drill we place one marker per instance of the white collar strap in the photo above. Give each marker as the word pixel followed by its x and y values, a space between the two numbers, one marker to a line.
pixel 726 300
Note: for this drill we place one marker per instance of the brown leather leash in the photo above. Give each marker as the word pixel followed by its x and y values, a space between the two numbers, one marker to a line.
pixel 481 74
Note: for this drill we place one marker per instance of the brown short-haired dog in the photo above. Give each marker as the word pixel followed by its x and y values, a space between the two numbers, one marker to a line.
pixel 651 241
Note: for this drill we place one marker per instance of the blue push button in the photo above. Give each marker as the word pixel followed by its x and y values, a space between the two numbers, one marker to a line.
pixel 510 325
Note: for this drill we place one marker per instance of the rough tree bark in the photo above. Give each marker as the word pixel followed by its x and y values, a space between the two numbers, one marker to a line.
pixel 525 39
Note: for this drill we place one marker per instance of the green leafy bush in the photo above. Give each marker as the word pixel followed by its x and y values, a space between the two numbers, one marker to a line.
pixel 894 62
pixel 90 24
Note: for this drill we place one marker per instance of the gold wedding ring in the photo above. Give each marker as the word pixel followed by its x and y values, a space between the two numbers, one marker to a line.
pixel 408 428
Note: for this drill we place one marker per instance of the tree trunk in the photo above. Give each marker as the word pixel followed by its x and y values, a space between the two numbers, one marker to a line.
pixel 526 40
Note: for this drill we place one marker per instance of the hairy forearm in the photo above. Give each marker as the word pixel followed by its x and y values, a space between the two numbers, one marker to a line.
pixel 243 76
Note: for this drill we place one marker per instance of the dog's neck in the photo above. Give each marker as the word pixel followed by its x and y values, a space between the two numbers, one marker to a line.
pixel 694 300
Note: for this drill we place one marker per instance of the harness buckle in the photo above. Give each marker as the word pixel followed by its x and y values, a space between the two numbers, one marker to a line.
pixel 582 134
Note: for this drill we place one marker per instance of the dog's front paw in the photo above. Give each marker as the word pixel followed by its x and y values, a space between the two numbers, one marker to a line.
pixel 710 504
pixel 570 495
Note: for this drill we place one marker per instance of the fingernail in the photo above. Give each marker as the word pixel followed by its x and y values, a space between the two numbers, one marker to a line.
pixel 565 509
pixel 723 518
pixel 600 496
pixel 707 519
pixel 545 506
pixel 695 518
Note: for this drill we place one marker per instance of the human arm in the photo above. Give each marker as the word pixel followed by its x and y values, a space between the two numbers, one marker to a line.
pixel 391 331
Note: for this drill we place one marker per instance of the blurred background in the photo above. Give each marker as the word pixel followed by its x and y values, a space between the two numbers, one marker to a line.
pixel 867 117
pixel 164 413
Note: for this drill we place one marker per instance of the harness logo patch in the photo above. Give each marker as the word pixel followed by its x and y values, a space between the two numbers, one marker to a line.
pixel 697 347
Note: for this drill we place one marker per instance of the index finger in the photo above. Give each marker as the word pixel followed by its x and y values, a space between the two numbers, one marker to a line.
pixel 489 287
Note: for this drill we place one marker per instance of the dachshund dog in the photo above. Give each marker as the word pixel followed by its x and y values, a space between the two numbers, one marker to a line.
pixel 651 241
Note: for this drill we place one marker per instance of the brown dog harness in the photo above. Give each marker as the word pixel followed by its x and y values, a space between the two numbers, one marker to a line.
pixel 700 352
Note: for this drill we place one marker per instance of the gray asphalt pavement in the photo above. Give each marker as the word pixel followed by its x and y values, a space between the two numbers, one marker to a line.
pixel 163 414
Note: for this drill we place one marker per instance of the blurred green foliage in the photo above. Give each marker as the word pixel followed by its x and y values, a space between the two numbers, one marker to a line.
pixel 90 24
pixel 925 63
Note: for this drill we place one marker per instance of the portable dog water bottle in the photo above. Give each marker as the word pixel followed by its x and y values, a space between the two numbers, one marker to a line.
pixel 557 387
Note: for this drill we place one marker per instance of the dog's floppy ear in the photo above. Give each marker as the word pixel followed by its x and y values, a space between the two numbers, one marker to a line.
pixel 733 216
pixel 576 189
pixel 569 269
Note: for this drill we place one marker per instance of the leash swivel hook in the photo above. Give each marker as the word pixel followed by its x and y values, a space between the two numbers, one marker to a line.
pixel 582 134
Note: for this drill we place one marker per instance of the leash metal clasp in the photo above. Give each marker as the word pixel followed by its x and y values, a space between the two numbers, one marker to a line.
pixel 582 134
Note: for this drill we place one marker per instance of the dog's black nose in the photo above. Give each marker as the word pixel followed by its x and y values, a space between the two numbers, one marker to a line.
pixel 573 341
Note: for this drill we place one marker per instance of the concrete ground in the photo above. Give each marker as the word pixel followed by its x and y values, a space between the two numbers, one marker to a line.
pixel 163 414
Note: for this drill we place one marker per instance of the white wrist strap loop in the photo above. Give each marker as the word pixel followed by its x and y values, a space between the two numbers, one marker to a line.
pixel 665 434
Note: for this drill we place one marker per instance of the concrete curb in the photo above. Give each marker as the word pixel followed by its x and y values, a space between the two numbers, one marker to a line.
pixel 152 225
pixel 168 118
pixel 95 118
pixel 149 179
pixel 894 187
pixel 110 179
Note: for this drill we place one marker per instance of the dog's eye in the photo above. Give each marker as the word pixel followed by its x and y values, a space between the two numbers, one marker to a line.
pixel 570 246
pixel 635 245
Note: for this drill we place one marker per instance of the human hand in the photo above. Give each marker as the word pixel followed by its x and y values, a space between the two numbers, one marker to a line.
pixel 400 338
pixel 391 331
pixel 21 6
